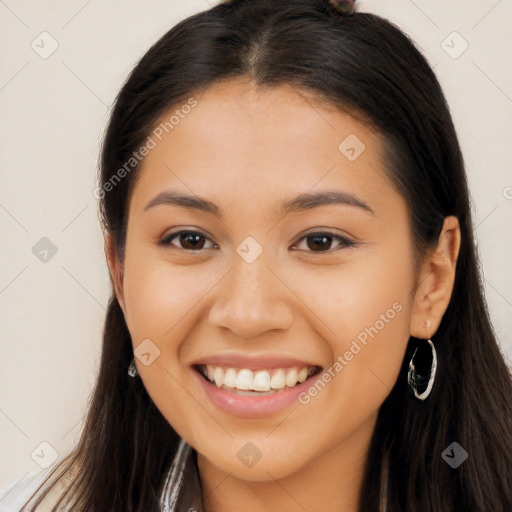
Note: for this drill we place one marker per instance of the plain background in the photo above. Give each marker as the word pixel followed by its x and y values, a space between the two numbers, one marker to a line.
pixel 53 113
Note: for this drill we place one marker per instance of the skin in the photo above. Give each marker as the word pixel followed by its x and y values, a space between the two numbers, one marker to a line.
pixel 248 150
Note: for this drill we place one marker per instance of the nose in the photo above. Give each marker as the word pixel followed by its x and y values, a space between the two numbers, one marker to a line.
pixel 251 300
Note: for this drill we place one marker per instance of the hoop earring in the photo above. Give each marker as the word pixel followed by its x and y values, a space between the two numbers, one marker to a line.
pixel 132 369
pixel 422 371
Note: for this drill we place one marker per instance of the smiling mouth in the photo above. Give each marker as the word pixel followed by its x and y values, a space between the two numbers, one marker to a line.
pixel 245 382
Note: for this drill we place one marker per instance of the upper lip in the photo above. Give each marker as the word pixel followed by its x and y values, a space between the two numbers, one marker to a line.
pixel 254 362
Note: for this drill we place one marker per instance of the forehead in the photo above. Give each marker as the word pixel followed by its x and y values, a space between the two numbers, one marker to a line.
pixel 258 142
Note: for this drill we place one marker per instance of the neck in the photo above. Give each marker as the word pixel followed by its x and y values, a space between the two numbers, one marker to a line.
pixel 331 481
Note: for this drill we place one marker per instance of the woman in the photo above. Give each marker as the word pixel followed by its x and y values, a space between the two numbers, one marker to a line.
pixel 288 233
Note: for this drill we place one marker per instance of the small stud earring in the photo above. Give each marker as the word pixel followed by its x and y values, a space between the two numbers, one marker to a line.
pixel 132 369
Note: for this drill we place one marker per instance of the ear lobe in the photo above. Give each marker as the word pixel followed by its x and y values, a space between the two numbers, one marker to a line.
pixel 115 268
pixel 436 278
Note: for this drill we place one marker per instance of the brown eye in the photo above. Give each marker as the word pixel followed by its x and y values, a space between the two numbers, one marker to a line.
pixel 322 242
pixel 188 240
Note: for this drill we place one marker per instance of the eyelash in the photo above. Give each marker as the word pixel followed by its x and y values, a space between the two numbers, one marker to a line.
pixel 344 242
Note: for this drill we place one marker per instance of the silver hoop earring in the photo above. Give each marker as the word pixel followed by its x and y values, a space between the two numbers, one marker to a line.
pixel 422 371
pixel 132 369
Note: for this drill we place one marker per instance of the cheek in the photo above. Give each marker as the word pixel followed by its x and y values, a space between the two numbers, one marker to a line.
pixel 163 305
pixel 158 296
pixel 352 296
pixel 364 309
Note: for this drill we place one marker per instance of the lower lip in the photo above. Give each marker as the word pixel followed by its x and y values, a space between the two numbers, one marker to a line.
pixel 251 406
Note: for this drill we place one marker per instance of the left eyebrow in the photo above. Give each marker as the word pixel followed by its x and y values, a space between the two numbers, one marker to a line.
pixel 311 200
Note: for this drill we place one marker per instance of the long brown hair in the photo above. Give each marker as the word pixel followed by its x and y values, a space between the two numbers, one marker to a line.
pixel 365 65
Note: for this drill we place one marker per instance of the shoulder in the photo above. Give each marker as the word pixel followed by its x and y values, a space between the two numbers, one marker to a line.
pixel 15 495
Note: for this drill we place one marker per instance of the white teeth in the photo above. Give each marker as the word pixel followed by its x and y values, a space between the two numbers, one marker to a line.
pixel 291 378
pixel 218 375
pixel 263 381
pixel 278 380
pixel 230 378
pixel 244 379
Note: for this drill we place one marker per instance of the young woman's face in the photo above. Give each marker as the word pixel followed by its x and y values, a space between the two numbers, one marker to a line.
pixel 291 256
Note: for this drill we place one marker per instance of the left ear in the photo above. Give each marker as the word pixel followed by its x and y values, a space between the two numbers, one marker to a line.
pixel 435 281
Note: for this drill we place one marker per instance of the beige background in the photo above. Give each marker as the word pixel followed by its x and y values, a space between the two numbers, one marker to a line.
pixel 53 113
